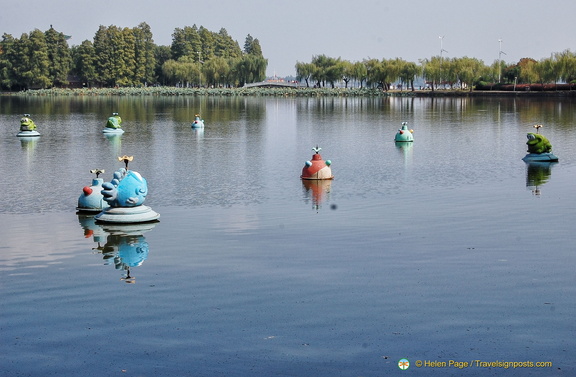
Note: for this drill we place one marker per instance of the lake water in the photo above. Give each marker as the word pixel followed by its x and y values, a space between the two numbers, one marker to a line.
pixel 448 249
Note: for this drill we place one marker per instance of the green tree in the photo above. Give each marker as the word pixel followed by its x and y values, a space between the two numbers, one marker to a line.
pixel 225 46
pixel 527 72
pixel 408 73
pixel 161 55
pixel 546 70
pixel 449 71
pixel 186 42
pixel 84 62
pixel 250 68
pixel 59 57
pixel 305 71
pixel 469 70
pixel 144 55
pixel 566 65
pixel 33 62
pixel 359 72
pixel 347 72
pixel 328 70
pixel 374 73
pixel 216 71
pixel 208 43
pixel 7 61
pixel 432 70
pixel 115 50
pixel 248 42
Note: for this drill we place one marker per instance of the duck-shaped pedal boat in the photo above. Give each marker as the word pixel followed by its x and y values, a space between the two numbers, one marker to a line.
pixel 404 134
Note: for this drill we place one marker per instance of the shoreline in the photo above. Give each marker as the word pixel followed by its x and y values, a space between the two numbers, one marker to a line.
pixel 286 92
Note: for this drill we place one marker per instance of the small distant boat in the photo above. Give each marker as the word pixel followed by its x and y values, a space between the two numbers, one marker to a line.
pixel 539 147
pixel 198 122
pixel 404 134
pixel 114 125
pixel 27 127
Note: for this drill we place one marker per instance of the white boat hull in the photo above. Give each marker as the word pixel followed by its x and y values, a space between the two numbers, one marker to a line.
pixel 33 133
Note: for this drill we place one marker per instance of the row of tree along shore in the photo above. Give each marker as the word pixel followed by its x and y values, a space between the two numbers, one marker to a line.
pixel 125 57
pixel 199 58
pixel 521 91
pixel 439 72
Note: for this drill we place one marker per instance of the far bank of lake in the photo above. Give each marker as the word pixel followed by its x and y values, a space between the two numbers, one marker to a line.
pixel 301 91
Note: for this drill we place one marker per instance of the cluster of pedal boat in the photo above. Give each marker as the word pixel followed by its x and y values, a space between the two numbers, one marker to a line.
pixel 121 200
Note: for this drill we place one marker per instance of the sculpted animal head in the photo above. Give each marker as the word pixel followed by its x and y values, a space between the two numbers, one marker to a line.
pixel 538 143
pixel 127 189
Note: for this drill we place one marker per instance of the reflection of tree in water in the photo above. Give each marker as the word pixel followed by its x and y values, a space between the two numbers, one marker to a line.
pixel 537 174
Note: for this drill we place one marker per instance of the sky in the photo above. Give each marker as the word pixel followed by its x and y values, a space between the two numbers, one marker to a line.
pixel 291 31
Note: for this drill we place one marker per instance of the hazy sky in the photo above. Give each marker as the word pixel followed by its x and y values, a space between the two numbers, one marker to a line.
pixel 295 30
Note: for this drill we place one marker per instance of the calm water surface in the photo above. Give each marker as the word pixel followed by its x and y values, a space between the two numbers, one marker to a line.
pixel 451 248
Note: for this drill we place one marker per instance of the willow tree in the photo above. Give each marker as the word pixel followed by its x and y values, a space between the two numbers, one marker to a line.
pixel 374 72
pixel 408 73
pixel 469 70
pixel 185 71
pixel 216 71
pixel 566 65
pixel 432 70
pixel 328 70
pixel 248 69
pixel 304 71
pixel 359 72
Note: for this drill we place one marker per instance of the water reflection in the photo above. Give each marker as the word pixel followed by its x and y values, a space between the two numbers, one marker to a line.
pixel 198 133
pixel 29 145
pixel 316 191
pixel 537 174
pixel 121 245
pixel 405 148
pixel 115 142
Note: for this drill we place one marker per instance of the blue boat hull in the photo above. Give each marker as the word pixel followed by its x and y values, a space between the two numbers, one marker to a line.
pixel 540 157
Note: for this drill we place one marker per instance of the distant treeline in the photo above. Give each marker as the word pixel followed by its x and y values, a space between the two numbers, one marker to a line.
pixel 128 57
pixel 439 72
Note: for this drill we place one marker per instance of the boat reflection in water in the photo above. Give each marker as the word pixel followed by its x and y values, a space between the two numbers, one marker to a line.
pixel 537 174
pixel 316 191
pixel 405 149
pixel 121 245
pixel 115 141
